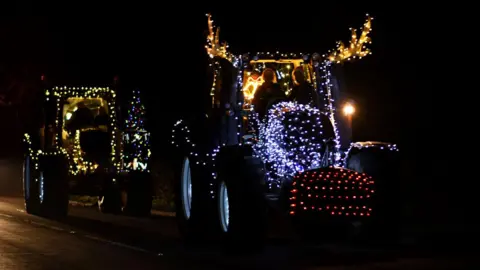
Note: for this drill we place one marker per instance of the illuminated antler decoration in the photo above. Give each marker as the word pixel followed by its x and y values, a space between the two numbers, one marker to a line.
pixel 357 46
pixel 214 48
pixel 251 86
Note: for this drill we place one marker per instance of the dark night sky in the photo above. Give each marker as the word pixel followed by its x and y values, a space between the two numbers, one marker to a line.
pixel 162 51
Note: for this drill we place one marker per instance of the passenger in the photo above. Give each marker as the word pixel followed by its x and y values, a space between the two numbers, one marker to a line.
pixel 267 93
pixel 81 118
pixel 302 92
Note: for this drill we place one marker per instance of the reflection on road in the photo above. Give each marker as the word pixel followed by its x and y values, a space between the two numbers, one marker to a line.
pixel 29 242
pixel 88 239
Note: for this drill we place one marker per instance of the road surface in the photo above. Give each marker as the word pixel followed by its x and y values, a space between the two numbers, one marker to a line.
pixel 91 240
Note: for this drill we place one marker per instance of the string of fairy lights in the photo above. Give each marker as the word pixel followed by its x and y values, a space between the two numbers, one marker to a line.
pixel 136 138
pixel 332 192
pixel 77 163
pixel 292 140
pixel 361 145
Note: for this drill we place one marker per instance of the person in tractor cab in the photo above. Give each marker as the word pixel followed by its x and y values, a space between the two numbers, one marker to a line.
pixel 267 93
pixel 81 118
pixel 302 92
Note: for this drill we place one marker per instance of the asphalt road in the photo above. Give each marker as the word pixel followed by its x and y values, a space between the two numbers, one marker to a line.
pixel 91 240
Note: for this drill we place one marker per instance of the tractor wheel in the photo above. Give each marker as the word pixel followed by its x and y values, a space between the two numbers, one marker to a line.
pixel 241 203
pixel 53 186
pixel 31 189
pixel 193 201
pixel 383 167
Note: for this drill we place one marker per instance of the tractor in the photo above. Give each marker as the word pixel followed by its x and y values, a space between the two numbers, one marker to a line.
pixel 81 145
pixel 233 166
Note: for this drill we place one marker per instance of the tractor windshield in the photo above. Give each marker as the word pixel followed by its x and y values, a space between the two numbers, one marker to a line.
pixel 85 113
pixel 252 76
pixel 85 131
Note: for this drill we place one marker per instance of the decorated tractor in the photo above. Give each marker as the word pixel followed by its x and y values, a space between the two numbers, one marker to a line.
pixel 235 165
pixel 80 145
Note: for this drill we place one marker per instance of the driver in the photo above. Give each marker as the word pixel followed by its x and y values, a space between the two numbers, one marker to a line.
pixel 81 118
pixel 302 92
pixel 268 92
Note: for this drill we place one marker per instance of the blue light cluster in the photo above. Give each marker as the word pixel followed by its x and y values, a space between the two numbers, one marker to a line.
pixel 291 140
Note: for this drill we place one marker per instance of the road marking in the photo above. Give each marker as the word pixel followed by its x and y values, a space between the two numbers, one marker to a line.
pixel 5 215
pixel 45 225
pixel 56 228
pixel 20 210
pixel 118 244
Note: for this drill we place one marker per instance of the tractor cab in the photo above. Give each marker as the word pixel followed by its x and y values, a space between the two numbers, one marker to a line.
pixel 252 74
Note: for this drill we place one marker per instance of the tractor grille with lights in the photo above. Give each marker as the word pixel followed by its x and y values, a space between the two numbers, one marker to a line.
pixel 332 191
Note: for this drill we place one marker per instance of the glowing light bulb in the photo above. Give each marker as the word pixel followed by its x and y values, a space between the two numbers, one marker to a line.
pixel 348 109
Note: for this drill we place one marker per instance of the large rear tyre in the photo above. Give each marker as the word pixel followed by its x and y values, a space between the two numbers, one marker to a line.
pixel 54 183
pixel 45 185
pixel 31 189
pixel 241 203
pixel 193 202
